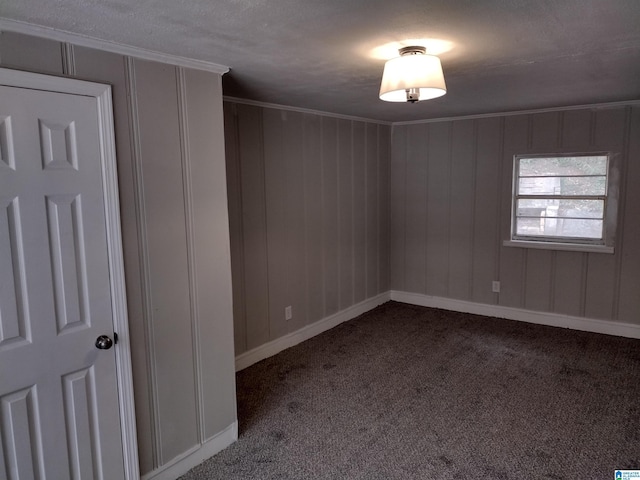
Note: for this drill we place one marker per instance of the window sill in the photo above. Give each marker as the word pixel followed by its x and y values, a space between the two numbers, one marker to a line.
pixel 572 247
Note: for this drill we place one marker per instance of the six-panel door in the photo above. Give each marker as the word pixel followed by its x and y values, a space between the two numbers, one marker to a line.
pixel 59 413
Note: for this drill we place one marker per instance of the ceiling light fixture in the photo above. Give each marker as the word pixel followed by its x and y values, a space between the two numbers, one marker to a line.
pixel 412 77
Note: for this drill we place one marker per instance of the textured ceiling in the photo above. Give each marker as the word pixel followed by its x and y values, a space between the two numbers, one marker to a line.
pixel 503 55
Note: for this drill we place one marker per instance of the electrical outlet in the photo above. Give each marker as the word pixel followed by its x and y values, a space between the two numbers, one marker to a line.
pixel 288 314
pixel 495 286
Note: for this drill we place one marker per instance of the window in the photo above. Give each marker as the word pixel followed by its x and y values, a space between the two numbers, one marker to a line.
pixel 563 202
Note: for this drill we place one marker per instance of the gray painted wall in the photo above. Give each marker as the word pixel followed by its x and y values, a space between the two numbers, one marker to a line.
pixel 170 152
pixel 450 212
pixel 308 213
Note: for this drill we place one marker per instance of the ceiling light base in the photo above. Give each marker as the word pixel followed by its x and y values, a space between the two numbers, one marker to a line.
pixel 413 50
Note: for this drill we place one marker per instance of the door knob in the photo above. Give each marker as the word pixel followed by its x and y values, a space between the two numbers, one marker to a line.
pixel 103 342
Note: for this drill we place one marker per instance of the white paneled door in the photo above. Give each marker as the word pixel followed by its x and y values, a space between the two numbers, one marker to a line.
pixel 59 399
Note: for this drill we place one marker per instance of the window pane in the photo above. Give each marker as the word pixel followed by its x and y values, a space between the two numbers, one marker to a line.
pixel 539 186
pixel 559 227
pixel 563 166
pixel 583 185
pixel 560 208
pixel 595 186
pixel 529 226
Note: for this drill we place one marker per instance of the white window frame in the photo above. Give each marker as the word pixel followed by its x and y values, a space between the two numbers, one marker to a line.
pixel 603 245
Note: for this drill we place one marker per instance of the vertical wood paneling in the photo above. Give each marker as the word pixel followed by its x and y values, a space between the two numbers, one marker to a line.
pixel 397 205
pixel 330 208
pixel 168 275
pixel 254 225
pixel 600 292
pixel 486 200
pixel 345 216
pixel 313 194
pixel 359 211
pixel 31 53
pixel 276 221
pixel 154 441
pixel 538 280
pixel 479 184
pixel 603 270
pixel 318 218
pixel 295 212
pixel 609 129
pixel 415 200
pixel 576 130
pixel 568 283
pixel 195 313
pixel 462 206
pixel 544 132
pixel 234 193
pixel 438 209
pixel 384 160
pixel 629 241
pixel 210 258
pixel 512 260
pixel 372 212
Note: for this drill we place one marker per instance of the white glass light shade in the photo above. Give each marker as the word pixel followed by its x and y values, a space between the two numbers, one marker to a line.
pixel 421 71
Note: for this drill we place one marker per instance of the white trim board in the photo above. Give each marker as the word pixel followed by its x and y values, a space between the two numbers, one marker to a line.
pixel 267 350
pixel 257 103
pixel 623 103
pixel 25 28
pixel 541 318
pixel 195 456
pixel 276 346
pixel 287 108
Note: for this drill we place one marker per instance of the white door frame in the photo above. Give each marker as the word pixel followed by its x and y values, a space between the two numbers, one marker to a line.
pixel 102 95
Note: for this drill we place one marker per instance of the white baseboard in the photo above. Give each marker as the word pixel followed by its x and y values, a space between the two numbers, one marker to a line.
pixel 542 318
pixel 195 456
pixel 267 350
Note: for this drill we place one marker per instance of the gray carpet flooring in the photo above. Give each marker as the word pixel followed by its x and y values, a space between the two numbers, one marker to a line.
pixel 406 392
